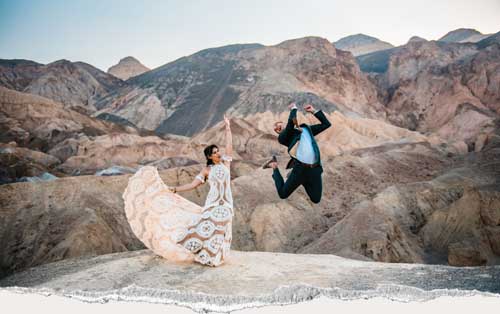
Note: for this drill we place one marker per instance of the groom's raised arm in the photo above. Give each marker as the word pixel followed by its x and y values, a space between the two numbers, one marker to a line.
pixel 285 136
pixel 325 124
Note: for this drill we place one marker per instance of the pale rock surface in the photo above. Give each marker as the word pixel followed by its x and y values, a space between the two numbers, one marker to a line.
pixel 249 279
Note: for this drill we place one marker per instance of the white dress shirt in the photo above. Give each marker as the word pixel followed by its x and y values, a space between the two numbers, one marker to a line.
pixel 305 151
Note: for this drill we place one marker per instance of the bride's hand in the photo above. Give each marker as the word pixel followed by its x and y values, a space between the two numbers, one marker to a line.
pixel 226 121
pixel 172 189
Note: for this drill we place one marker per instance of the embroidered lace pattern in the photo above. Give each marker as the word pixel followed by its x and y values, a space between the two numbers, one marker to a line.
pixel 175 228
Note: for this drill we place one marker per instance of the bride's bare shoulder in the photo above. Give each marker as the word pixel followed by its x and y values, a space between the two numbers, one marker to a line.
pixel 206 170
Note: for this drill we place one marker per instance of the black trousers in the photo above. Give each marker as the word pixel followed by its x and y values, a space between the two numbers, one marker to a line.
pixel 310 178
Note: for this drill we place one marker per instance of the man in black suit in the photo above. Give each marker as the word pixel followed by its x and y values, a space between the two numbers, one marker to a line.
pixel 304 152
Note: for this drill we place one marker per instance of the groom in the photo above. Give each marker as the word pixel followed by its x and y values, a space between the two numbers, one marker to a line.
pixel 304 152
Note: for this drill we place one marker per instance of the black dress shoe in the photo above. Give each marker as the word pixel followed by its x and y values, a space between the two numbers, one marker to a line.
pixel 268 163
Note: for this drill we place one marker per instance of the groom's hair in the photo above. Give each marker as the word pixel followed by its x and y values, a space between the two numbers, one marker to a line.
pixel 276 125
pixel 208 151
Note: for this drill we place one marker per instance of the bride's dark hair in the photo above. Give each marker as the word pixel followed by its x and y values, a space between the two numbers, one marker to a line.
pixel 208 151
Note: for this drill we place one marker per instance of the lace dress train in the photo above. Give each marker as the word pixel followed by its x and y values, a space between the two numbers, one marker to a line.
pixel 176 228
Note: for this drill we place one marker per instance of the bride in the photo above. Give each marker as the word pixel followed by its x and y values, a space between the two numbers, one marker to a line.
pixel 175 228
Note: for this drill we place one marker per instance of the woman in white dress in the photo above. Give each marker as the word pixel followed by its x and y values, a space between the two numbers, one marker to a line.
pixel 176 228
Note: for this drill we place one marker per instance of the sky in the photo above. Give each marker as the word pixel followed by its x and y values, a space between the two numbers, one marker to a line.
pixel 101 32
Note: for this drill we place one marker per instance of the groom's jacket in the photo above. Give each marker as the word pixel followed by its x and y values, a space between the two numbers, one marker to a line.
pixel 290 136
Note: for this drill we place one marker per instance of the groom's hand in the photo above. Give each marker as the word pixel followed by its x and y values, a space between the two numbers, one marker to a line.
pixel 309 108
pixel 292 106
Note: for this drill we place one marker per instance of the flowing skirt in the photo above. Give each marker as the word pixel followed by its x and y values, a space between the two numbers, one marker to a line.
pixel 172 226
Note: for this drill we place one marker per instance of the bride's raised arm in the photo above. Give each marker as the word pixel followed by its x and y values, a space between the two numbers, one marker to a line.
pixel 229 139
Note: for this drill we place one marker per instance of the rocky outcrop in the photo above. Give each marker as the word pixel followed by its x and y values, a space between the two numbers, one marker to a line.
pixel 446 218
pixel 458 100
pixel 127 67
pixel 39 123
pixel 361 44
pixel 88 155
pixel 39 134
pixel 18 162
pixel 448 89
pixel 408 61
pixel 482 76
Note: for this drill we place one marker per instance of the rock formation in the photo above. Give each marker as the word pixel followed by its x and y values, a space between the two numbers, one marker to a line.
pixel 416 39
pixel 88 155
pixel 447 89
pixel 40 123
pixel 361 44
pixel 127 67
pixel 18 162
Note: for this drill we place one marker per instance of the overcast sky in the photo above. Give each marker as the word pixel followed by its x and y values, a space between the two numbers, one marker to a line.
pixel 101 32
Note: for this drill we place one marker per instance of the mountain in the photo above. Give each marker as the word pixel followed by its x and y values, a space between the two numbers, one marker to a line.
pixel 446 88
pixel 361 44
pixel 463 35
pixel 191 94
pixel 127 67
pixel 74 84
pixel 416 39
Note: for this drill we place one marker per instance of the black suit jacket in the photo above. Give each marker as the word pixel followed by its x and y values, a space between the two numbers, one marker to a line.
pixel 290 136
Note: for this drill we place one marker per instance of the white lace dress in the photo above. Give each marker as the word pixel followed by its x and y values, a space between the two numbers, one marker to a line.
pixel 175 228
